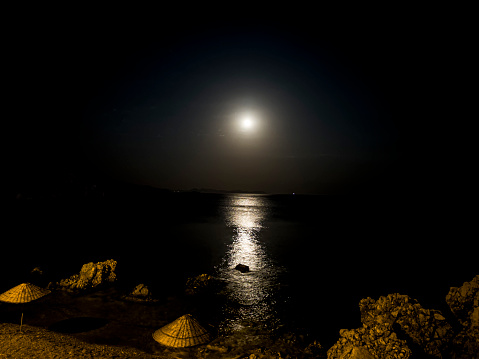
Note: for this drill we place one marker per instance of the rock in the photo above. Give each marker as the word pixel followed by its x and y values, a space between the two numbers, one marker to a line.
pixel 418 328
pixel 377 341
pixel 141 291
pixel 464 300
pixel 201 284
pixel 464 304
pixel 360 353
pixel 87 274
pixel 316 350
pixel 242 268
pixel 475 316
pixel 91 275
pixel 423 328
pixel 105 273
pixel 426 328
pixel 69 282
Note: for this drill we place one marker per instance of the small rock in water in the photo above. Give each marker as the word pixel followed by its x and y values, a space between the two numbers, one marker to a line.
pixel 242 268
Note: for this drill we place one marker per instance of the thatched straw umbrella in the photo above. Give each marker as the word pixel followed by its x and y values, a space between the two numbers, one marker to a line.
pixel 183 332
pixel 23 293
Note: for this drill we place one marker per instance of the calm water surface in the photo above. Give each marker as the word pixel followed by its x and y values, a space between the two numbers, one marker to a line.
pixel 311 258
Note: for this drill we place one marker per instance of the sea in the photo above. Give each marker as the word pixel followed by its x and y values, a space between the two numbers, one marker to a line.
pixel 311 258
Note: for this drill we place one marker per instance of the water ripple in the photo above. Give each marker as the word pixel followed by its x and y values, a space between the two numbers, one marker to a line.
pixel 251 295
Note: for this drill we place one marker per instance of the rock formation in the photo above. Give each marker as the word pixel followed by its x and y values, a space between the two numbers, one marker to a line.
pixel 91 275
pixel 425 327
pixel 387 317
pixel 464 304
pixel 395 324
pixel 376 341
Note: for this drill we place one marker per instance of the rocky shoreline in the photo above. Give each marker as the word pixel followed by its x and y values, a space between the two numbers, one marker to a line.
pixel 118 324
pixel 397 326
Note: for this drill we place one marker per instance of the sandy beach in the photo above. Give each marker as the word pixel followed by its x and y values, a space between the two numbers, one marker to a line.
pixel 97 324
pixel 39 343
pixel 103 325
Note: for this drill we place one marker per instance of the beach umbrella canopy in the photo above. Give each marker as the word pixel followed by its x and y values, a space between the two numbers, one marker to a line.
pixel 23 293
pixel 183 332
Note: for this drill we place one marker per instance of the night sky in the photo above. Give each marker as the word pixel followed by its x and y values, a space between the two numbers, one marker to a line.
pixel 344 101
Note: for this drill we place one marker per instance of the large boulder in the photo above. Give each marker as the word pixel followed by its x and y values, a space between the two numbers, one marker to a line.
pixel 370 341
pixel 464 301
pixel 389 324
pixel 464 304
pixel 356 352
pixel 426 328
pixel 92 275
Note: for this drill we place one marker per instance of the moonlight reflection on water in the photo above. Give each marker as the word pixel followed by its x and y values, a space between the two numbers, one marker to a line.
pixel 251 295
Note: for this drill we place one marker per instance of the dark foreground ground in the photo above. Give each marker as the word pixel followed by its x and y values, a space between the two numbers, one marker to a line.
pixel 102 325
pixel 37 342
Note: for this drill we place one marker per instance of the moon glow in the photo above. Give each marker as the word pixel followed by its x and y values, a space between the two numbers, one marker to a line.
pixel 247 123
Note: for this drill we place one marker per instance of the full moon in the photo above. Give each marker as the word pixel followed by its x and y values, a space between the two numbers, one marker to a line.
pixel 247 123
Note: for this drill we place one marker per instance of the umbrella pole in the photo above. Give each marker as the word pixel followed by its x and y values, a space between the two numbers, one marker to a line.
pixel 21 322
